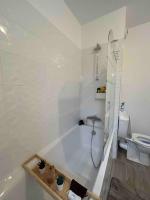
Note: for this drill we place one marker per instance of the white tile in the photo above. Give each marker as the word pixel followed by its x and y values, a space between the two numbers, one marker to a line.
pixel 40 86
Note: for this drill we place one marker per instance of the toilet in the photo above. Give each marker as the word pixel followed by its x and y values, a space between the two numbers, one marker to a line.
pixel 137 145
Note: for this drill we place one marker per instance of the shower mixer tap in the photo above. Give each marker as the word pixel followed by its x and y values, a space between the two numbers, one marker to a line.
pixel 94 119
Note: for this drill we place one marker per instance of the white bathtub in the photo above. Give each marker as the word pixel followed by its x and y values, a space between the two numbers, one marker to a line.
pixel 71 153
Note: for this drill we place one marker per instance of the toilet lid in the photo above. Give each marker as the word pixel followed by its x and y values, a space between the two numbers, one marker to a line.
pixel 142 139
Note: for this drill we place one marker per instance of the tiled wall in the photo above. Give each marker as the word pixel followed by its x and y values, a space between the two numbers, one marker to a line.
pixel 89 104
pixel 39 83
pixel 97 32
pixel 40 68
pixel 92 33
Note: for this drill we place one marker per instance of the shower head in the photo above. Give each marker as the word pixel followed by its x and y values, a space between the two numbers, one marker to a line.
pixel 97 48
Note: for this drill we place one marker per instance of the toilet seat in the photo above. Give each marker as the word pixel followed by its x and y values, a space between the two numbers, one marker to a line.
pixel 141 139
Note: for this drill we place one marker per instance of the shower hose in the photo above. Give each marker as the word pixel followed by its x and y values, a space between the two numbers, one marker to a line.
pixel 92 137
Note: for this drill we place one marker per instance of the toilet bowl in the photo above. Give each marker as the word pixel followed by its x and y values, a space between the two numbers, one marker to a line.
pixel 139 148
pixel 137 145
pixel 142 141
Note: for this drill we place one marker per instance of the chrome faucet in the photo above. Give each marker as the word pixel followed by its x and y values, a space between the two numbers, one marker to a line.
pixel 94 119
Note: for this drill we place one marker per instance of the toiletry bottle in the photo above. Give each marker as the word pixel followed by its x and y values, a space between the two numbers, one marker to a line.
pixel 51 174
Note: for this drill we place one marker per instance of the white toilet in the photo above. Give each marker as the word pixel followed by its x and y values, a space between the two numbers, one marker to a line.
pixel 136 144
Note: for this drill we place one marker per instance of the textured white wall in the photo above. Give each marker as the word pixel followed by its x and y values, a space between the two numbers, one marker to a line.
pixel 136 78
pixel 40 70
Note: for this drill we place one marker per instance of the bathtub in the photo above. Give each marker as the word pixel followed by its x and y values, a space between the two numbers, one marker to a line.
pixel 70 153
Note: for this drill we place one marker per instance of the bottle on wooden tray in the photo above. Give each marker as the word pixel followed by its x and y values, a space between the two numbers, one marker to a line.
pixel 51 174
pixel 42 166
pixel 60 182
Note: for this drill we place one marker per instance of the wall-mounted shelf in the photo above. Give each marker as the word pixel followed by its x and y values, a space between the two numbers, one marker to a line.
pixel 32 168
pixel 100 96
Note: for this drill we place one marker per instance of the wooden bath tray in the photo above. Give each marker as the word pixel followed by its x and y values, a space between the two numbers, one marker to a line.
pixel 31 167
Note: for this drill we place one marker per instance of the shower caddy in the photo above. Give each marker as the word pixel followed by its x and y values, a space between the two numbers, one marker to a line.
pixel 31 167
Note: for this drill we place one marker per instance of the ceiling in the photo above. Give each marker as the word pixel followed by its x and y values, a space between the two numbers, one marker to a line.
pixel 138 11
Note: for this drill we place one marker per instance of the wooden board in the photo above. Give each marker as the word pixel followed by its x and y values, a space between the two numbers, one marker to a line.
pixel 63 193
pixel 31 167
